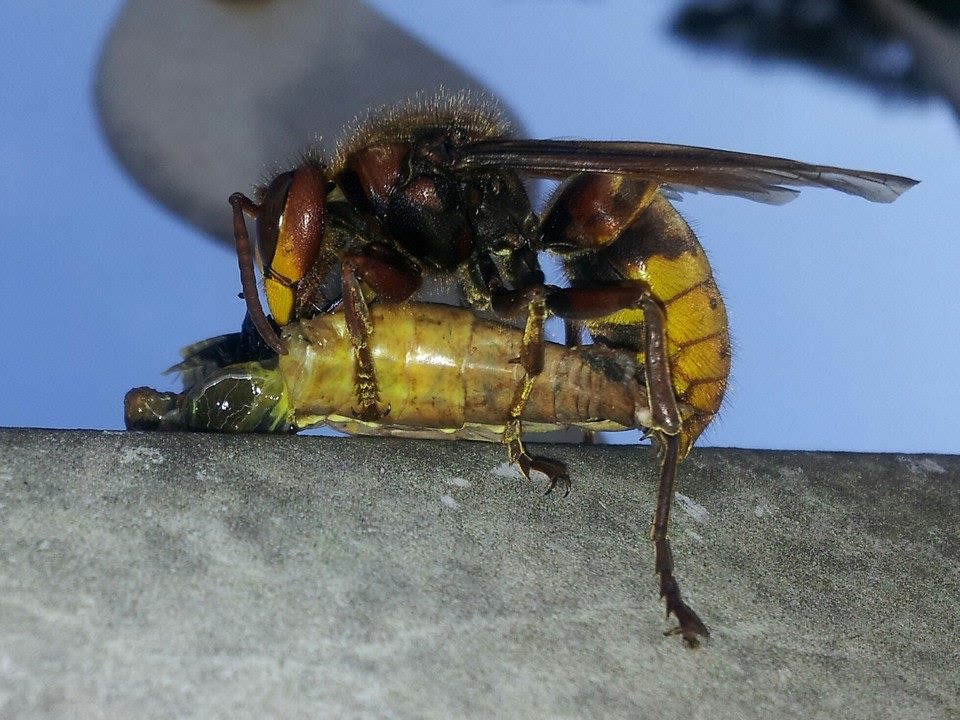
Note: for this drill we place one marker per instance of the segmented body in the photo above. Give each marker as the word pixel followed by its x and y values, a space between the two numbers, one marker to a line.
pixel 444 372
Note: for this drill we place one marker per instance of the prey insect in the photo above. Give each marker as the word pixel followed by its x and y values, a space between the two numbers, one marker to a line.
pixel 441 368
pixel 435 191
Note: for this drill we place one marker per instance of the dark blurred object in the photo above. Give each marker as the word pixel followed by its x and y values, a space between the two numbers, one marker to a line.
pixel 200 99
pixel 932 33
pixel 901 47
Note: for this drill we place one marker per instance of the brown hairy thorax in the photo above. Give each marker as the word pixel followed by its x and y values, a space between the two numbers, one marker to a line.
pixel 460 115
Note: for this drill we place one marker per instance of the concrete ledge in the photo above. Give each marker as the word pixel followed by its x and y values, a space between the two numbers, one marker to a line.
pixel 154 575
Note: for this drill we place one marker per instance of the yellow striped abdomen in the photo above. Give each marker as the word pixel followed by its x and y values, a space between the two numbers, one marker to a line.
pixel 660 249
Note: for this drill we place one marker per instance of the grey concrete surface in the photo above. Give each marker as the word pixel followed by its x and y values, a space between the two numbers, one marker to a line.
pixel 156 576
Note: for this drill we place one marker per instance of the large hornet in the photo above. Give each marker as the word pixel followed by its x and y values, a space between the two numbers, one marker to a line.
pixel 435 191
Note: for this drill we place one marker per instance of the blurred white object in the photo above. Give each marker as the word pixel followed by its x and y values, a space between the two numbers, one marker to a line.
pixel 200 99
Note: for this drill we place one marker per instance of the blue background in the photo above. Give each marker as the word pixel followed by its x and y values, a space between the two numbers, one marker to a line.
pixel 844 313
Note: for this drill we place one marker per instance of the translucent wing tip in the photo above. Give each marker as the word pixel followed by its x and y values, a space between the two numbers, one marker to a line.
pixel 876 187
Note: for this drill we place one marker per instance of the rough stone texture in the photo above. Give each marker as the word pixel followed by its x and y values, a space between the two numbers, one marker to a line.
pixel 154 576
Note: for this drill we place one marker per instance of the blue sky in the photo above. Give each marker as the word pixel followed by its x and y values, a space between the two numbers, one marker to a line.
pixel 843 312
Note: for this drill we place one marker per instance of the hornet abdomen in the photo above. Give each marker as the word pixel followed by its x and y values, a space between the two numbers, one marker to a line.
pixel 633 233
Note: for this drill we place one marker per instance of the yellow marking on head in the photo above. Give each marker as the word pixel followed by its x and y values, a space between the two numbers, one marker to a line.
pixel 280 298
pixel 288 261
